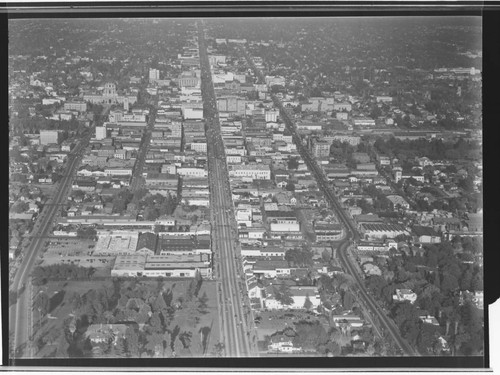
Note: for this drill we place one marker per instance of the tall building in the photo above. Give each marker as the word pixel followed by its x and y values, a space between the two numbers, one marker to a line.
pixel 49 136
pixel 154 75
pixel 321 148
pixel 100 132
pixel 271 115
pixel 109 96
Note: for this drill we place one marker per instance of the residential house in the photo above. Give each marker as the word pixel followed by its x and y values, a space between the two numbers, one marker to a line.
pixel 403 295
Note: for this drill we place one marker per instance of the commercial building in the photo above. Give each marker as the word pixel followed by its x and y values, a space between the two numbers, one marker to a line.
pixel 49 136
pixel 75 106
pixel 100 132
pixel 116 243
pixel 328 231
pixel 364 121
pixel 253 171
pixel 110 96
pixel 154 75
pixel 320 148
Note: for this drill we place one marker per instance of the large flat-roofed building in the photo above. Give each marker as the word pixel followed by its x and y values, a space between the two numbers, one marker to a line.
pixel 75 105
pixel 180 258
pixel 271 268
pixel 253 171
pixel 364 121
pixel 175 245
pixel 50 136
pixel 116 243
pixel 118 171
pixel 129 265
pixel 320 148
pixel 168 269
pixel 328 231
pixel 100 132
pixel 163 180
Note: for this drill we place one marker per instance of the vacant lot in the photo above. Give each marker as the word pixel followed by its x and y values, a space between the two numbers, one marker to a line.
pixel 184 318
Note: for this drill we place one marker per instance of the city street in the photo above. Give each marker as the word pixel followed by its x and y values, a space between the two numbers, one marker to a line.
pixel 352 235
pixel 19 313
pixel 235 333
pixel 137 178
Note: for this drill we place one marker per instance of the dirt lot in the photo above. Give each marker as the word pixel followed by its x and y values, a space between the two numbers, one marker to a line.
pixel 62 292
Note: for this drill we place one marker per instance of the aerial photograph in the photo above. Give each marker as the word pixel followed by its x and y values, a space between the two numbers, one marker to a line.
pixel 245 187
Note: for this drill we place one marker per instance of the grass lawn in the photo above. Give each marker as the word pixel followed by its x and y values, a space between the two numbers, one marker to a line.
pixel 60 293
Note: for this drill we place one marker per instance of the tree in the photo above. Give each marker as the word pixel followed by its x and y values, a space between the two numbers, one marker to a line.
pixel 154 344
pixel 203 301
pixel 167 344
pixel 42 303
pixel 307 303
pixel 283 295
pixel 406 318
pixel 376 284
pixel 178 346
pixel 132 342
pixel 198 282
pixel 299 257
pixel 219 349
pixel 309 335
pixel 326 255
pixel 348 300
pixel 426 339
pixel 186 337
pixel 159 303
pixel 20 207
pixel 449 283
pixel 290 186
pixel 293 163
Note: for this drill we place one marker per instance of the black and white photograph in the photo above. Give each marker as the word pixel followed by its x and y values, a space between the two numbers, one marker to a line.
pixel 273 188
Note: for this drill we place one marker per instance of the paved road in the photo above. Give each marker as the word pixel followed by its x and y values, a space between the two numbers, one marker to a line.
pixel 137 178
pixel 374 307
pixel 352 234
pixel 228 270
pixel 19 313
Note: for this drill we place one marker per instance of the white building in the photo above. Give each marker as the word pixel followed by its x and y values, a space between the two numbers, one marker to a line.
pixel 253 171
pixel 403 295
pixel 192 113
pixel 285 227
pixel 364 121
pixel 49 136
pixel 100 132
pixel 299 295
pixel 199 147
pixel 154 75
pixel 271 115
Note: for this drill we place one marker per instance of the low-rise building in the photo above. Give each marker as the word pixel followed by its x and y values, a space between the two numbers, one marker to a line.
pixel 425 234
pixel 403 295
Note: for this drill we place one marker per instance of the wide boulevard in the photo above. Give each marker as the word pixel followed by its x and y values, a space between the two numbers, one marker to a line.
pixel 352 234
pixel 235 330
